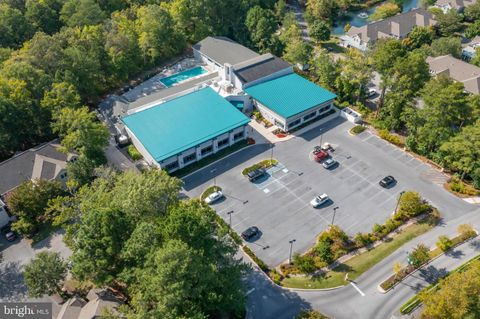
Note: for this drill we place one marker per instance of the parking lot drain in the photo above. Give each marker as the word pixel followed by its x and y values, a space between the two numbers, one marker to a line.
pixel 266 190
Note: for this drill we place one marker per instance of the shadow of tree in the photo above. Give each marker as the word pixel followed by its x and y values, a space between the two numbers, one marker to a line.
pixel 475 244
pixel 12 285
pixel 455 253
pixel 431 274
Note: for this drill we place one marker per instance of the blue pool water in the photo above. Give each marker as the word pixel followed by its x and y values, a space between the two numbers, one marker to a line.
pixel 182 76
pixel 352 18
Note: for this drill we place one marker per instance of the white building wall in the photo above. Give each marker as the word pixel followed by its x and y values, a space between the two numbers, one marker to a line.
pixel 209 62
pixel 271 116
pixel 146 155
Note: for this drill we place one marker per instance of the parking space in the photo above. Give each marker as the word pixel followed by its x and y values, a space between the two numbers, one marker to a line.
pixel 280 206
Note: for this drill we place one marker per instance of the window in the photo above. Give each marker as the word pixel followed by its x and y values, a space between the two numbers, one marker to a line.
pixel 207 150
pixel 171 166
pixel 309 116
pixel 237 136
pixel 294 123
pixel 189 158
pixel 222 143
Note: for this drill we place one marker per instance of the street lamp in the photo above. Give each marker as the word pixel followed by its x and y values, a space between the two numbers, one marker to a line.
pixel 321 137
pixel 398 201
pixel 291 247
pixel 333 217
pixel 214 177
pixel 271 154
pixel 230 218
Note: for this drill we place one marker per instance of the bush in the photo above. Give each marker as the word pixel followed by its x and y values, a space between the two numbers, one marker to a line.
pixel 362 240
pixel 394 139
pixel 444 243
pixel 378 229
pixel 411 204
pixel 305 264
pixel 133 152
pixel 457 186
pixel 466 231
pixel 357 129
pixel 310 314
pixel 263 266
pixel 419 255
pixel 323 250
pixel 263 164
pixel 275 276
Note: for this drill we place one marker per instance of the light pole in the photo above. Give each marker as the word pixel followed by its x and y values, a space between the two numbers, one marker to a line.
pixel 321 137
pixel 230 218
pixel 291 247
pixel 398 201
pixel 333 217
pixel 271 154
pixel 214 177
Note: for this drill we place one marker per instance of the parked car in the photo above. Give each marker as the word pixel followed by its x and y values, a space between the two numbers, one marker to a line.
pixel 10 236
pixel 371 93
pixel 320 156
pixel 329 163
pixel 327 146
pixel 256 174
pixel 319 200
pixel 250 232
pixel 213 197
pixel 387 181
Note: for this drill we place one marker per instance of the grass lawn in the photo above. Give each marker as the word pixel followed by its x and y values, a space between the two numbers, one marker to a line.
pixel 358 264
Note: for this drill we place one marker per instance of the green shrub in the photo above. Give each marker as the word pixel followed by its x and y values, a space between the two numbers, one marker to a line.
pixel 305 263
pixel 310 314
pixel 466 231
pixel 419 255
pixel 411 204
pixel 458 186
pixel 391 225
pixel 323 250
pixel 275 276
pixel 444 243
pixel 357 129
pixel 362 240
pixel 133 152
pixel 263 164
pixel 394 139
pixel 263 266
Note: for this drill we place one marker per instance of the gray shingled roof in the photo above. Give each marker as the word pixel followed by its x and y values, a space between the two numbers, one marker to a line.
pixel 19 168
pixel 455 4
pixel 259 67
pixel 458 70
pixel 224 50
pixel 397 26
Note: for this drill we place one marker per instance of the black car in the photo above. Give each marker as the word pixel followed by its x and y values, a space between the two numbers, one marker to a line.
pixel 250 232
pixel 256 174
pixel 387 181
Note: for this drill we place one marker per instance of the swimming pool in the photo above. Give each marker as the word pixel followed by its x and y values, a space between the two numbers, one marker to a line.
pixel 182 76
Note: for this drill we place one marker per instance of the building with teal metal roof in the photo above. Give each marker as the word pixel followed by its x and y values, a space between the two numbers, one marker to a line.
pixel 290 100
pixel 185 129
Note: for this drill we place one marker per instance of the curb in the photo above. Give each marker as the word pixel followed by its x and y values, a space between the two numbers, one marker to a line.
pixel 383 291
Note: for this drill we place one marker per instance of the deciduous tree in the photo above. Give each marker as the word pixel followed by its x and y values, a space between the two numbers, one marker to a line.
pixel 44 275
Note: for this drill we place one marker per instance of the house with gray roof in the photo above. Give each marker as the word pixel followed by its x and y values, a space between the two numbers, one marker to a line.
pixel 397 27
pixel 458 5
pixel 458 70
pixel 470 49
pixel 99 302
pixel 41 162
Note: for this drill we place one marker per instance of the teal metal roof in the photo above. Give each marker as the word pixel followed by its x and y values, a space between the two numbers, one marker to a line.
pixel 184 122
pixel 289 95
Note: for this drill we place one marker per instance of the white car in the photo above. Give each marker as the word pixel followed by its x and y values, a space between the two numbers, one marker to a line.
pixel 213 197
pixel 326 146
pixel 371 92
pixel 329 163
pixel 319 200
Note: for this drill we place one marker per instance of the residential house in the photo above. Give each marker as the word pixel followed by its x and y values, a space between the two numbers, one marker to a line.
pixel 99 302
pixel 458 70
pixel 458 5
pixel 41 162
pixel 469 51
pixel 397 27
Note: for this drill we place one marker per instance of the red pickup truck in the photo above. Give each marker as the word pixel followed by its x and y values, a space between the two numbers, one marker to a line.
pixel 321 155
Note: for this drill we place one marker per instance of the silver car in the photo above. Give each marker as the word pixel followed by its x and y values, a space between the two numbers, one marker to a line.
pixel 329 163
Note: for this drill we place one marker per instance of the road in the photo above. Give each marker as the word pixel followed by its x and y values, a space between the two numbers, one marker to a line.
pixel 298 11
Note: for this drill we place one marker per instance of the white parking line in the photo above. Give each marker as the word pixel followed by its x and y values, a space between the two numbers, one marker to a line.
pixel 357 289
pixel 250 291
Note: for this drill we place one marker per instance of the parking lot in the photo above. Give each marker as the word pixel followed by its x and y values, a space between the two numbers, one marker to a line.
pixel 279 205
